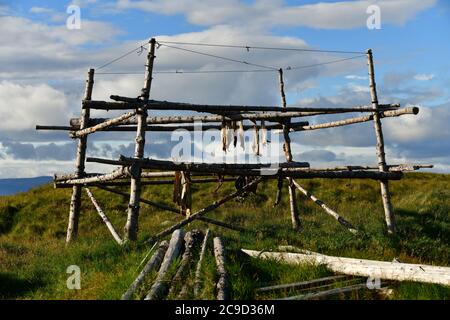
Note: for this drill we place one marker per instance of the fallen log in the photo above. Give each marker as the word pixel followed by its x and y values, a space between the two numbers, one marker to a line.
pixel 198 269
pixel 104 218
pixel 159 289
pixel 364 268
pixel 327 209
pixel 223 290
pixel 191 239
pixel 153 263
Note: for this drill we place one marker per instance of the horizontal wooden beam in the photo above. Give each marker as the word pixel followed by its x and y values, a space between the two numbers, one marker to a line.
pixel 166 105
pixel 339 123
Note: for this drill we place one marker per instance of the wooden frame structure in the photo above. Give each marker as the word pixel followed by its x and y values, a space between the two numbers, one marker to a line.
pixel 132 170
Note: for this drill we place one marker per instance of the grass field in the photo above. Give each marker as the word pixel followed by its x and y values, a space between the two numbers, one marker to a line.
pixel 33 256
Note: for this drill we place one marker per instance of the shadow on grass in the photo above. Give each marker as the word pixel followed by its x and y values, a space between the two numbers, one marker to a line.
pixel 12 287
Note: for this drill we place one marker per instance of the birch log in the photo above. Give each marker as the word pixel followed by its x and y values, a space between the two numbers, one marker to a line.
pixel 327 293
pixel 159 289
pixel 223 288
pixel 131 226
pixel 385 195
pixel 102 126
pixel 75 201
pixel 191 239
pixel 327 209
pixel 198 269
pixel 365 268
pixel 104 218
pixel 167 105
pixel 153 263
pixel 295 218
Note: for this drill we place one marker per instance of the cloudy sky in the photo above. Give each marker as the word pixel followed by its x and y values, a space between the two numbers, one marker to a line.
pixel 43 64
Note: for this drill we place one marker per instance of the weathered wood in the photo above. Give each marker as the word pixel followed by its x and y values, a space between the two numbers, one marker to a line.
pixel 102 126
pixel 327 293
pixel 327 209
pixel 385 195
pixel 191 239
pixel 339 123
pixel 279 190
pixel 166 105
pixel 295 217
pixel 75 201
pixel 300 285
pixel 217 168
pixel 116 174
pixel 365 268
pixel 222 286
pixel 104 218
pixel 107 182
pixel 151 121
pixel 159 288
pixel 131 226
pixel 153 263
pixel 205 210
pixel 198 269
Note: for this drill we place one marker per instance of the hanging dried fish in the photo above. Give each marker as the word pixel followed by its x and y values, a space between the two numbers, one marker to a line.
pixel 223 136
pixel 186 195
pixel 177 187
pixel 279 190
pixel 230 133
pixel 255 144
pixel 241 135
pixel 263 133
pixel 235 133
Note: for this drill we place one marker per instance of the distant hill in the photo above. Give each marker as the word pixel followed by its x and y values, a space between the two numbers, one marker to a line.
pixel 12 186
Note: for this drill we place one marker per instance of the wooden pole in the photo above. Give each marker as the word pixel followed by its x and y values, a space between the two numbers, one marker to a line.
pixel 102 126
pixel 104 218
pixel 288 154
pixel 385 195
pixel 75 201
pixel 327 209
pixel 131 227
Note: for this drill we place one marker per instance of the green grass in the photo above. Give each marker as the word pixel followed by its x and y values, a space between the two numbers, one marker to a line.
pixel 34 258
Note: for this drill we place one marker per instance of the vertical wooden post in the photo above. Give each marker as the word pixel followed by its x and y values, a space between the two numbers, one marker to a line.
pixel 131 227
pixel 386 196
pixel 75 201
pixel 288 154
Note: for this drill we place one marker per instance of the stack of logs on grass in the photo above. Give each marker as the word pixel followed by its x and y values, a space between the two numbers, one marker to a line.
pixel 134 171
pixel 173 263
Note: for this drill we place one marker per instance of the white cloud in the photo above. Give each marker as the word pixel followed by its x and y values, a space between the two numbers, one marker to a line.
pixel 423 77
pixel 355 77
pixel 24 106
pixel 40 10
pixel 266 14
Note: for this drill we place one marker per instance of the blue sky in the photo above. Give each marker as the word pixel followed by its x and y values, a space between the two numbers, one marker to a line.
pixel 43 59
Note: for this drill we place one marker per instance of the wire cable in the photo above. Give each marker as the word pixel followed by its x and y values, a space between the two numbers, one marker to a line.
pixel 323 63
pixel 258 47
pixel 218 57
pixel 122 56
